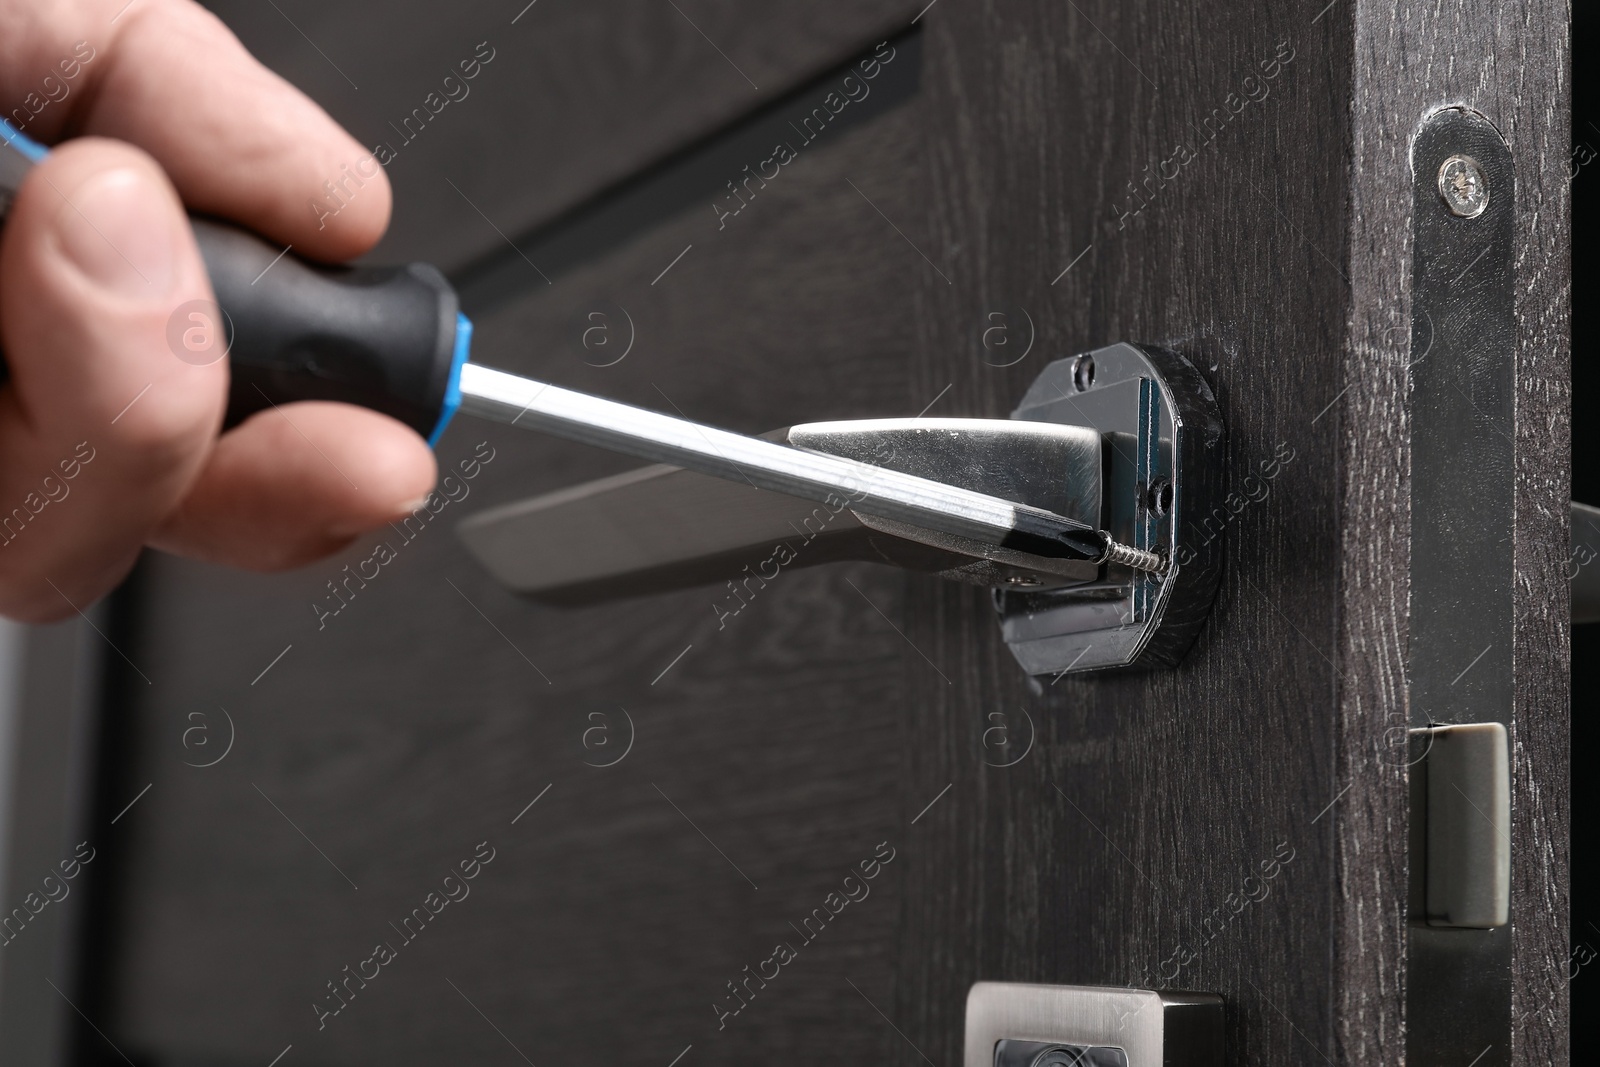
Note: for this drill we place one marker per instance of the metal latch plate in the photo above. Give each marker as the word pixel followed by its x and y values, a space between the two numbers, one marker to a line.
pixel 1126 1027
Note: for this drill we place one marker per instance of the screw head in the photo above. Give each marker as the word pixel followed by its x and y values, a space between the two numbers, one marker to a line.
pixel 1463 187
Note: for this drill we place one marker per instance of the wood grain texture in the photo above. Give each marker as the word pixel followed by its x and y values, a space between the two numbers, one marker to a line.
pixel 578 96
pixel 1119 851
pixel 1510 63
pixel 1251 256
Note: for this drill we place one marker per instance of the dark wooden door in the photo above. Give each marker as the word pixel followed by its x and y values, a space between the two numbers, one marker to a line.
pixel 667 795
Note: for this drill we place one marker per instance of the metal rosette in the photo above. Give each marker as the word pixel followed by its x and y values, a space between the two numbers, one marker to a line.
pixel 1163 459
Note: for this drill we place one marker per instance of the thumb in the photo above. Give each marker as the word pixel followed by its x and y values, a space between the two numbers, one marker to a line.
pixel 96 259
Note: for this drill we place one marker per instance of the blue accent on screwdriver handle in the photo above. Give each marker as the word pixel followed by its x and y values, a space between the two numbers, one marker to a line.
pixel 452 393
pixel 31 149
pixel 392 339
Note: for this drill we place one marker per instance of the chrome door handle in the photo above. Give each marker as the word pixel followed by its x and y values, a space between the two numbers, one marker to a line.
pixel 663 527
pixel 1125 439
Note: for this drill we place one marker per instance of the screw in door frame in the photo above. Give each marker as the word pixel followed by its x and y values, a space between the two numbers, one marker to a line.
pixel 1463 186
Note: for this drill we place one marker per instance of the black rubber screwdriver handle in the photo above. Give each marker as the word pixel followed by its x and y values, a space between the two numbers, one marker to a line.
pixel 392 339
pixel 385 338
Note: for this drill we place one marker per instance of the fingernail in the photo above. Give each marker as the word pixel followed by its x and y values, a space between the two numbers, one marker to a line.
pixel 117 228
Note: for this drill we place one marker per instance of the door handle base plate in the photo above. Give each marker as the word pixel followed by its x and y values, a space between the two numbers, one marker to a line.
pixel 1163 459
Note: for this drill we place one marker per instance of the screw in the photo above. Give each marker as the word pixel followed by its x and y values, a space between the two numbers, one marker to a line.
pixel 1463 187
pixel 1159 497
pixel 1083 373
pixel 1137 558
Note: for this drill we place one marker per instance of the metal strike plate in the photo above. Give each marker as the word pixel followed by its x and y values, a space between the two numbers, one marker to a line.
pixel 1163 452
pixel 1125 439
pixel 1461 406
pixel 1012 1024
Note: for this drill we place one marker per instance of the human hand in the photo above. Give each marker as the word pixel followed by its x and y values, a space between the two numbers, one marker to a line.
pixel 108 441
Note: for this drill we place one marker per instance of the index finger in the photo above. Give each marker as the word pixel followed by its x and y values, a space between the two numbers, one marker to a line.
pixel 237 140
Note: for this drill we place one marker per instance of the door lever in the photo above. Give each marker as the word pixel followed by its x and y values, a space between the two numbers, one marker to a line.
pixel 882 492
pixel 1070 510
pixel 667 528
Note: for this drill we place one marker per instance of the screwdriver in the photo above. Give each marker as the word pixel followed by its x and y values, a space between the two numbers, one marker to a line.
pixel 393 339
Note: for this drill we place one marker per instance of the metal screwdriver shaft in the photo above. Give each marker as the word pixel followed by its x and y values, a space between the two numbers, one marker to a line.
pixel 292 338
pixel 871 490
